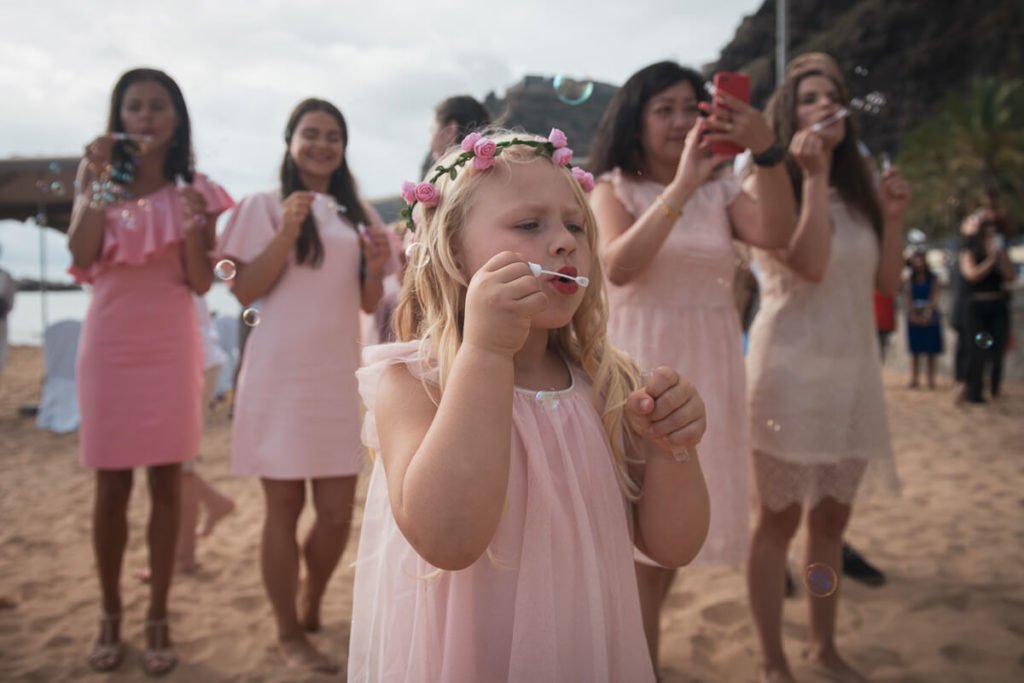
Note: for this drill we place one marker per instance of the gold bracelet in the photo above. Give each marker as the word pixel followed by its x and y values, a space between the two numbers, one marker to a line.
pixel 667 209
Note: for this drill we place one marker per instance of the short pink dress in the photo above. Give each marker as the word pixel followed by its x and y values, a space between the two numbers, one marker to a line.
pixel 554 598
pixel 681 312
pixel 297 406
pixel 818 423
pixel 140 358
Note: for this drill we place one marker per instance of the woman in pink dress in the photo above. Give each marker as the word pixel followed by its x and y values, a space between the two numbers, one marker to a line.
pixel 668 215
pixel 506 499
pixel 306 254
pixel 140 364
pixel 817 408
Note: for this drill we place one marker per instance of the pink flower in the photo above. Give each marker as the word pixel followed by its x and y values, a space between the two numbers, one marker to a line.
pixel 584 178
pixel 484 149
pixel 426 194
pixel 409 192
pixel 562 156
pixel 469 141
pixel 557 138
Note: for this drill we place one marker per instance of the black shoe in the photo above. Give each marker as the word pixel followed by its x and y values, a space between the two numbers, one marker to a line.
pixel 856 567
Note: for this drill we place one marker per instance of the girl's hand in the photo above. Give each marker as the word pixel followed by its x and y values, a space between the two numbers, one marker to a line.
pixel 733 120
pixel 296 208
pixel 811 153
pixel 194 205
pixel 376 251
pixel 502 298
pixel 98 153
pixel 697 162
pixel 668 410
pixel 893 194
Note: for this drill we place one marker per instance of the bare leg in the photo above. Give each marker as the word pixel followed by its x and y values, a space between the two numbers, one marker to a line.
pixel 185 558
pixel 826 525
pixel 217 505
pixel 914 358
pixel 279 561
pixel 654 584
pixel 333 499
pixel 162 534
pixel 109 539
pixel 766 580
pixel 931 371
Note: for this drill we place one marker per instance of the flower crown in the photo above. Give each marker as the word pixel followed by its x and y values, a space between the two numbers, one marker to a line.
pixel 482 151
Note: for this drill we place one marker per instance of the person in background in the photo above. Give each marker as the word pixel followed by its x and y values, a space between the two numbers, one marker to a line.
pixel 924 333
pixel 885 320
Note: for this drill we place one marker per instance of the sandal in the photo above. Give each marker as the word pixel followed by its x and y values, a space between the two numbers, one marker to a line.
pixel 107 653
pixel 159 657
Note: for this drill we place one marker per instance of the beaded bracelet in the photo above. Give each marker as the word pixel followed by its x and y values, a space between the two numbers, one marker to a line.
pixel 667 209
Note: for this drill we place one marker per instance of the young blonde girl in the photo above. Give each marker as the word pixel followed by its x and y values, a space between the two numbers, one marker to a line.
pixel 518 461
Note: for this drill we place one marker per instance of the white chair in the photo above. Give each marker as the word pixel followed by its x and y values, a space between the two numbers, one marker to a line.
pixel 58 407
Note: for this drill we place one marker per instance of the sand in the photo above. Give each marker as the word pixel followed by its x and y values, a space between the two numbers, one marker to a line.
pixel 952 546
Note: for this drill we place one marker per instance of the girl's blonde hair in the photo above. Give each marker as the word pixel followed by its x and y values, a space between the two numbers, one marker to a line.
pixel 433 291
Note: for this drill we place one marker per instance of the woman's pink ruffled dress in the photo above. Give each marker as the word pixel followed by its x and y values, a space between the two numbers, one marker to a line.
pixel 140 359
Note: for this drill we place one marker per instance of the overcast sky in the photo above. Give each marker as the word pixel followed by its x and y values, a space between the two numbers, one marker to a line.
pixel 244 65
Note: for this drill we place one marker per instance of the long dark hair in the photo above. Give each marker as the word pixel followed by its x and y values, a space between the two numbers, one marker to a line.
pixel 926 270
pixel 849 173
pixel 618 139
pixel 308 248
pixel 180 160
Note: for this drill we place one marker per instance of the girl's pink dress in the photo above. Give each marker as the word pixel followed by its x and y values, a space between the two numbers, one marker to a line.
pixel 681 312
pixel 140 358
pixel 297 407
pixel 554 598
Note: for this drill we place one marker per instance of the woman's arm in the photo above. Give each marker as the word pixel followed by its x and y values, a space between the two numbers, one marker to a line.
pixel 893 196
pixel 376 253
pixel 810 247
pixel 85 234
pixel 764 214
pixel 255 279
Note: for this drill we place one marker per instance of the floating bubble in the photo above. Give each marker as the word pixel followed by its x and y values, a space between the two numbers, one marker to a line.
pixel 127 219
pixel 984 340
pixel 40 218
pixel 143 204
pixel 225 269
pixel 820 580
pixel 916 236
pixel 773 425
pixel 548 399
pixel 54 167
pixel 57 187
pixel 42 185
pixel 572 90
pixel 416 255
pixel 709 88
pixel 861 70
pixel 251 317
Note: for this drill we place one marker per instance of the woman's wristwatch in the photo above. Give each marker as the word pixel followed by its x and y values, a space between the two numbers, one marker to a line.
pixel 770 156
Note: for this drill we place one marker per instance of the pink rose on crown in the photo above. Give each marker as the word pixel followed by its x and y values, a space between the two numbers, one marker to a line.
pixel 557 138
pixel 409 192
pixel 584 178
pixel 469 141
pixel 484 149
pixel 427 194
pixel 562 156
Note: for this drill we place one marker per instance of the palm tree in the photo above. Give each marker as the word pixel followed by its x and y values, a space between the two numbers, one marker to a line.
pixel 975 142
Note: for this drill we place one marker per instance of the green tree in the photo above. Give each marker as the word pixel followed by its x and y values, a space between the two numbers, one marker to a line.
pixel 974 142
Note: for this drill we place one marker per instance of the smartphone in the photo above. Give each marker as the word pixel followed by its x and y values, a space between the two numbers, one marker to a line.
pixel 737 85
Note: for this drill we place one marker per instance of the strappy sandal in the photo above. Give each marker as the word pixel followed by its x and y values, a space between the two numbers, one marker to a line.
pixel 159 657
pixel 105 655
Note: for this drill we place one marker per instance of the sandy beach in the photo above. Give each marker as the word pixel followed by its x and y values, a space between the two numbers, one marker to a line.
pixel 952 546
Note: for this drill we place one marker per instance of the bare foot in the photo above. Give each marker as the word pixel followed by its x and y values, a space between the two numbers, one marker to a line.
pixel 215 514
pixel 835 668
pixel 300 654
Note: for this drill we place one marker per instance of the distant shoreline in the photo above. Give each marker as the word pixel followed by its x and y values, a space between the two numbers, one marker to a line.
pixel 31 285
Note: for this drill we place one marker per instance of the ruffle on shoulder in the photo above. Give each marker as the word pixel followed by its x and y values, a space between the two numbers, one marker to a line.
pixel 377 359
pixel 625 190
pixel 135 230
